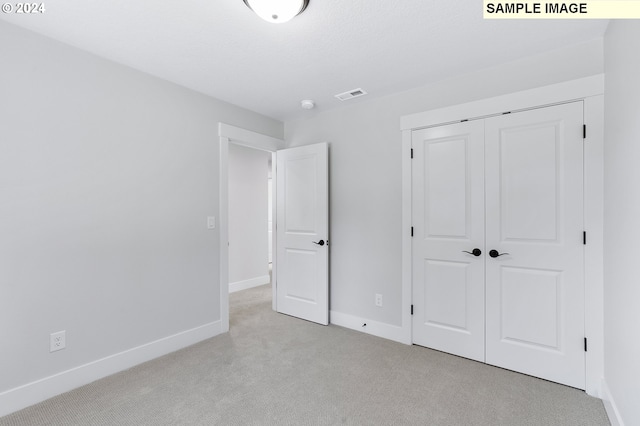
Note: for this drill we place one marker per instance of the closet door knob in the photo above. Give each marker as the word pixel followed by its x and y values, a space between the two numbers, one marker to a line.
pixel 494 253
pixel 476 252
pixel 320 243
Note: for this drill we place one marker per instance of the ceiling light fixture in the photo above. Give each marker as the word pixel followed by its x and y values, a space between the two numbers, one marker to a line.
pixel 277 11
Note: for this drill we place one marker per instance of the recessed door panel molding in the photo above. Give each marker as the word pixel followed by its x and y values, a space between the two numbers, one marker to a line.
pixel 447 193
pixel 302 248
pixel 447 294
pixel 497 251
pixel 300 267
pixel 300 184
pixel 448 218
pixel 531 307
pixel 530 181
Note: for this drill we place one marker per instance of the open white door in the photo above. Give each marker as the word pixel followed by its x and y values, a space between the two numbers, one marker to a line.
pixel 302 230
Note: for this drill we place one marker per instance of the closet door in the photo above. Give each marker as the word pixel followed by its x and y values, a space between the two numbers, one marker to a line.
pixel 448 222
pixel 534 222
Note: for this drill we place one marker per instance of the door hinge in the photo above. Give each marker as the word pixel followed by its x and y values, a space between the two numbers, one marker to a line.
pixel 411 309
pixel 585 344
pixel 411 152
pixel 584 131
pixel 412 231
pixel 584 238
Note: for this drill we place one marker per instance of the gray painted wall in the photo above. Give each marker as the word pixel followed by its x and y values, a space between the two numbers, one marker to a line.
pixel 248 205
pixel 107 176
pixel 365 170
pixel 621 213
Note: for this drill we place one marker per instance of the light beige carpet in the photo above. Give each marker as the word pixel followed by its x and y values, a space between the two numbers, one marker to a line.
pixel 272 369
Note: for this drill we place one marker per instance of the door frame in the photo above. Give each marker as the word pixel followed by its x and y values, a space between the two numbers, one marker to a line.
pixel 231 134
pixel 590 90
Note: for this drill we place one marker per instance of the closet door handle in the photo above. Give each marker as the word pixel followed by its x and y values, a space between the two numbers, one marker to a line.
pixel 494 253
pixel 320 243
pixel 476 252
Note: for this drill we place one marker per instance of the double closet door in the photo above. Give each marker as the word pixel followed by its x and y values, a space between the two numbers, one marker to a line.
pixel 498 254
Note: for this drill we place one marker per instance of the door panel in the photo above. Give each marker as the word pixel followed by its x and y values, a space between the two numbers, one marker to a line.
pixel 529 182
pixel 300 267
pixel 448 218
pixel 446 294
pixel 534 212
pixel 302 287
pixel 446 188
pixel 300 175
pixel 530 307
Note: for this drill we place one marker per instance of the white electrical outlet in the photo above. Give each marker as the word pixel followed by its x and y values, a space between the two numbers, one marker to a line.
pixel 379 300
pixel 211 222
pixel 57 341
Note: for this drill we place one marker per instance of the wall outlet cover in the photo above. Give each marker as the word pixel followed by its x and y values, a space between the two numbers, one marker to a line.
pixel 378 300
pixel 57 341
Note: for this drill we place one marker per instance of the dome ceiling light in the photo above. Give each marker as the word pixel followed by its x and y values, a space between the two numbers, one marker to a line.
pixel 277 11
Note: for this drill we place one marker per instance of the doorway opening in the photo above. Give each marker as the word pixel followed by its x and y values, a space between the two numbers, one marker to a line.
pixel 249 254
pixel 231 136
pixel 249 231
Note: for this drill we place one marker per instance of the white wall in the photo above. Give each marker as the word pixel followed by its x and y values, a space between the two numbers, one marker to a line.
pixel 248 215
pixel 621 215
pixel 365 170
pixel 107 176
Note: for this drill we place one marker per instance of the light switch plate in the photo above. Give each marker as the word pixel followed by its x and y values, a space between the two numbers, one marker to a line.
pixel 211 222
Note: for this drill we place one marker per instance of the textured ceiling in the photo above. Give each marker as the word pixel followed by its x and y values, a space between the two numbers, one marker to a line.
pixel 220 48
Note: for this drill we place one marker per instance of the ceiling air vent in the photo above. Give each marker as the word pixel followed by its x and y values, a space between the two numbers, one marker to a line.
pixel 351 94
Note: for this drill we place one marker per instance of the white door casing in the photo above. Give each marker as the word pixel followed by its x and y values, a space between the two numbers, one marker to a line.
pixel 529 166
pixel 448 219
pixel 534 212
pixel 270 217
pixel 302 230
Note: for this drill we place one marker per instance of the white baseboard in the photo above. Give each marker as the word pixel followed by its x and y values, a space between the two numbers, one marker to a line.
pixel 380 329
pixel 610 406
pixel 250 283
pixel 48 387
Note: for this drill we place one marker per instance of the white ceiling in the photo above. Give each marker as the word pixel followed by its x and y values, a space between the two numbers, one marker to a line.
pixel 222 49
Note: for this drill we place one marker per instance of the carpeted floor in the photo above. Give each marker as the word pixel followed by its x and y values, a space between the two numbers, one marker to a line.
pixel 276 370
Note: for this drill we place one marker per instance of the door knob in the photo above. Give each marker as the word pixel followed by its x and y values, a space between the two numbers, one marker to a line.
pixel 320 243
pixel 476 252
pixel 494 253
